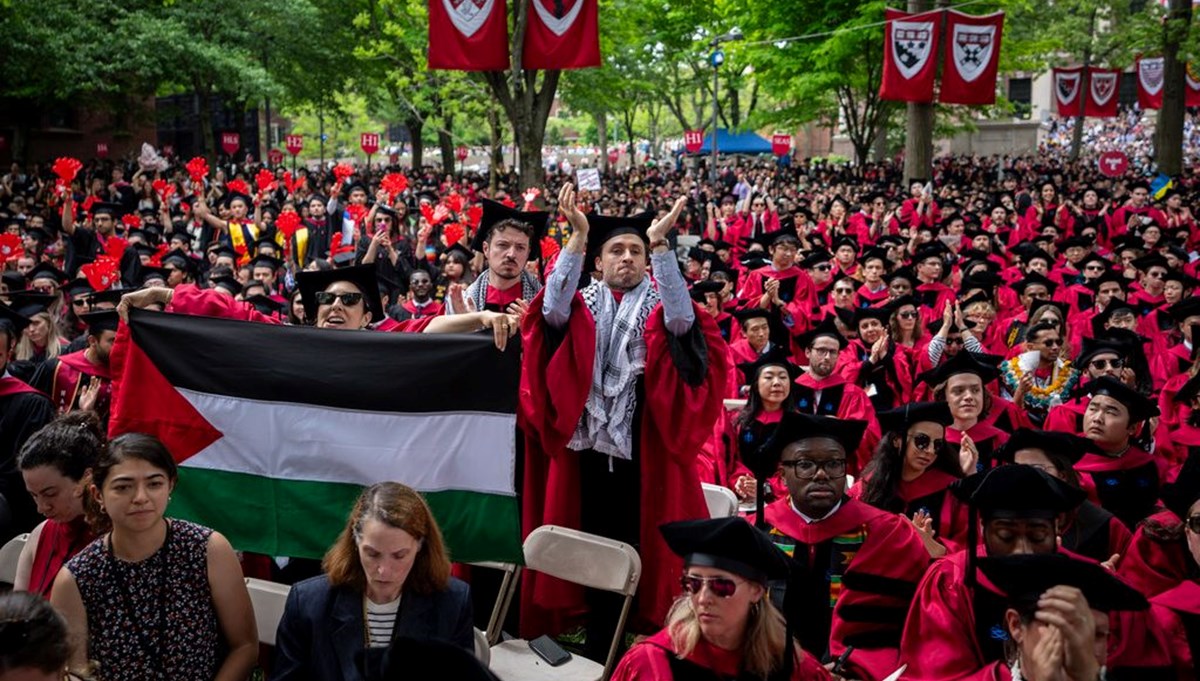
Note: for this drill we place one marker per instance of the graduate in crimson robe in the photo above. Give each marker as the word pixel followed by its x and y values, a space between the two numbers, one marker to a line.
pixel 854 567
pixel 874 362
pixel 912 472
pixel 721 554
pixel 795 295
pixel 955 627
pixel 962 383
pixel 619 391
pixel 23 411
pixel 67 379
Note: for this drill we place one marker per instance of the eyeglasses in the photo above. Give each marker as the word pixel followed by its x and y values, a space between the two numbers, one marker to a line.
pixel 844 291
pixel 1193 523
pixel 1102 364
pixel 721 587
pixel 1156 275
pixel 348 299
pixel 806 469
pixel 822 268
pixel 1051 342
pixel 1094 268
pixel 927 444
pixel 907 314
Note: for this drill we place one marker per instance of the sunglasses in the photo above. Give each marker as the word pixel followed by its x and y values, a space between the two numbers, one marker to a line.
pixel 1193 523
pixel 954 341
pixel 844 291
pixel 806 469
pixel 1051 342
pixel 721 587
pixel 1094 268
pixel 927 444
pixel 823 268
pixel 1102 364
pixel 1156 275
pixel 348 299
pixel 907 314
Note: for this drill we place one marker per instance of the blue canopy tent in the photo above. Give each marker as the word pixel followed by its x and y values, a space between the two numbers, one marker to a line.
pixel 736 143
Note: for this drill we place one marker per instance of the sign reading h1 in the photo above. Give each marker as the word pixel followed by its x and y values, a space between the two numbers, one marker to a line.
pixel 781 145
pixel 295 144
pixel 230 141
pixel 693 140
pixel 1113 163
pixel 275 157
pixel 369 141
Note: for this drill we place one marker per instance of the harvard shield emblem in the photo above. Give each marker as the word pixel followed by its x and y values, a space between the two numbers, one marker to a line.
pixel 1104 86
pixel 1066 86
pixel 468 15
pixel 912 44
pixel 1150 73
pixel 973 46
pixel 558 15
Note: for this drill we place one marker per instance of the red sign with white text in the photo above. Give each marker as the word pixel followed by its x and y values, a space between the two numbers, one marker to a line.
pixel 275 157
pixel 230 142
pixel 781 145
pixel 369 141
pixel 102 149
pixel 1113 163
pixel 693 140
pixel 295 144
pixel 461 153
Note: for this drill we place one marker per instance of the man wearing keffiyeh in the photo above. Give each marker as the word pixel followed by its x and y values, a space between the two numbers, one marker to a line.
pixel 621 382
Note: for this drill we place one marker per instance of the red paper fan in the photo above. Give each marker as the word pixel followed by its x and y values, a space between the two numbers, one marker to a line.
pixel 164 189
pixel 474 215
pixel 394 184
pixel 440 213
pixel 289 182
pixel 115 247
pixel 427 212
pixel 341 171
pixel 131 221
pixel 66 169
pixel 454 202
pixel 550 248
pixel 156 259
pixel 356 212
pixel 197 169
pixel 88 203
pixel 453 233
pixel 508 202
pixel 288 223
pixel 11 247
pixel 102 273
pixel 238 185
pixel 265 180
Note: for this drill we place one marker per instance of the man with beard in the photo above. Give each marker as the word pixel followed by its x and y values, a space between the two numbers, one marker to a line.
pixel 81 380
pixel 508 239
pixel 23 411
pixel 86 241
pixel 420 303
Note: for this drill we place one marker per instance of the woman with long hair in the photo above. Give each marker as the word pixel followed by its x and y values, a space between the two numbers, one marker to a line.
pixel 41 340
pixel 723 625
pixel 56 464
pixel 153 597
pixel 387 576
pixel 33 639
pixel 912 472
pixel 906 329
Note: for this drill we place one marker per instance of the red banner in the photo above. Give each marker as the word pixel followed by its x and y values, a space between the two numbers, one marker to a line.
pixel 468 35
pixel 909 48
pixel 369 142
pixel 693 140
pixel 1103 86
pixel 230 141
pixel 1150 78
pixel 1068 83
pixel 781 145
pixel 972 57
pixel 562 34
pixel 295 144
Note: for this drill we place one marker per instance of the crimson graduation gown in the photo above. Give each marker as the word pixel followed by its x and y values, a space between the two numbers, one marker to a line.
pixel 654 659
pixel 1176 615
pixel 1126 486
pixel 63 378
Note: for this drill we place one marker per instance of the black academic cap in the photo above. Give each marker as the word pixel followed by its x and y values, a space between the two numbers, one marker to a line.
pixel 900 419
pixel 9 317
pixel 845 240
pixel 149 273
pixel 40 233
pixel 903 273
pixel 265 304
pixel 362 276
pixel 100 321
pixel 1114 306
pixel 701 289
pixel 601 228
pixel 77 287
pixel 1188 307
pixel 495 212
pixel 229 198
pixel 1099 346
pixel 722 245
pixel 420 658
pixel 1025 577
pixel 112 296
pixel 754 260
pixel 775 357
pixel 226 282
pixel 180 259
pixel 113 209
pixel 1034 278
pixel 46 270
pixel 749 313
pixel 729 544
pixel 1188 282
pixel 964 362
pixel 874 253
pixel 14 280
pixel 1140 407
pixel 1145 262
pixel 1053 443
pixel 265 241
pixel 144 249
pixel 1179 496
pixel 1109 275
pixel 266 261
pixel 795 427
pixel 1076 242
pixel 883 314
pixel 227 251
pixel 816 257
pixel 1017 491
pixel 29 298
pixel 827 327
pixel 933 249
pixel 1046 302
pixel 459 248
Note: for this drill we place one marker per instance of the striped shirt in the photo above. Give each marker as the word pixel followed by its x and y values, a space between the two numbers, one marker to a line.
pixel 381 621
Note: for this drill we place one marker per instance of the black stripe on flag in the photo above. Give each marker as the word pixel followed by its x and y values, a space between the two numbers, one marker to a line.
pixel 360 370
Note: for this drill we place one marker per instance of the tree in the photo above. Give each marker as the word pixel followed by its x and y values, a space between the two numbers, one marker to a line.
pixel 1168 134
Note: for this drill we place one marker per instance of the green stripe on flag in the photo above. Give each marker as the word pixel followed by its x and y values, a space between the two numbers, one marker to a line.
pixel 309 515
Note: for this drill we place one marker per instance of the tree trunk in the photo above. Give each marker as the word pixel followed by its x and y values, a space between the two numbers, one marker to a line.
pixel 602 133
pixel 918 140
pixel 496 155
pixel 1085 85
pixel 446 144
pixel 735 105
pixel 415 126
pixel 1168 134
pixel 879 150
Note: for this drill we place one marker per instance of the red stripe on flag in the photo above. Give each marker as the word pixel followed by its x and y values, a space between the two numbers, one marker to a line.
pixel 148 403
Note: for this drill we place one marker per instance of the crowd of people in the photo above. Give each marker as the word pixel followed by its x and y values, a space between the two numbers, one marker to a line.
pixel 957 412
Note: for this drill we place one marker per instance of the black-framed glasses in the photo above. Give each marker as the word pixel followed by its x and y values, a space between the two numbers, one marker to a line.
pixel 721 587
pixel 348 299
pixel 1102 364
pixel 1193 523
pixel 806 469
pixel 925 443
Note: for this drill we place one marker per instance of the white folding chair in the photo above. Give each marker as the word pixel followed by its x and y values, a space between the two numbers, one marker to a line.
pixel 10 556
pixel 722 502
pixel 508 586
pixel 268 599
pixel 482 652
pixel 581 558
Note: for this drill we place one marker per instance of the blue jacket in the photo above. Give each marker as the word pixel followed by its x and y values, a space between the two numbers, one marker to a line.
pixel 321 630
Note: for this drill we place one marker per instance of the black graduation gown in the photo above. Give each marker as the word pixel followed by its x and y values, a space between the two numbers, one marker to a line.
pixel 21 415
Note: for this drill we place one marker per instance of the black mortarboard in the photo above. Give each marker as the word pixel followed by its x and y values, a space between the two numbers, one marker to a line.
pixel 1188 307
pixel 754 260
pixel 362 276
pixel 495 212
pixel 229 198
pixel 1140 407
pixel 815 258
pixel 1076 242
pixel 1025 577
pixel 18 321
pixel 14 280
pixel 148 273
pixel 1098 346
pixel 883 314
pixel 933 249
pixel 1179 496
pixel 265 241
pixel 1188 282
pixel 100 321
pixel 226 282
pixel 1034 278
pixel 729 544
pixel 40 233
pixel 900 419
pixel 601 228
pixel 1145 262
pixel 226 251
pixel 905 274
pixel 701 289
pixel 463 250
pixel 46 270
pixel 266 261
pixel 265 304
pixel 795 426
pixel 827 327
pixel 113 209
pixel 845 240
pixel 962 363
pixel 181 260
pixel 774 357
pixel 144 249
pixel 111 296
pixel 1114 306
pixel 749 313
pixel 77 287
pixel 874 253
pixel 28 298
pixel 1109 275
pixel 1046 302
pixel 1017 491
pixel 1052 442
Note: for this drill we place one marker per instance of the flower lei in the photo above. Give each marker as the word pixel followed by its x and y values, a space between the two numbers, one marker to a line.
pixel 1040 397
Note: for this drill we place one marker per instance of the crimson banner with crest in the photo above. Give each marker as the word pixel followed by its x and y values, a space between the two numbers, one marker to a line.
pixel 468 35
pixel 972 57
pixel 1103 93
pixel 909 51
pixel 1068 83
pixel 562 34
pixel 1150 72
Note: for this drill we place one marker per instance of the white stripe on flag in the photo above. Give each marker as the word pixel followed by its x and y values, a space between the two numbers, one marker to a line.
pixel 471 451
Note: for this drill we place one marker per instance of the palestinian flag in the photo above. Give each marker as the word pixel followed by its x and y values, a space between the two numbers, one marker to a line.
pixel 277 429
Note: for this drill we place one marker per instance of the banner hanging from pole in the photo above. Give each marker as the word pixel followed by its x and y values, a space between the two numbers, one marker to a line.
pixel 468 35
pixel 972 56
pixel 1068 83
pixel 562 34
pixel 1150 79
pixel 1103 85
pixel 909 47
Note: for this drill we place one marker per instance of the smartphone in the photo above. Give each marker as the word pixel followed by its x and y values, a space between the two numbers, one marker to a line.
pixel 549 650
